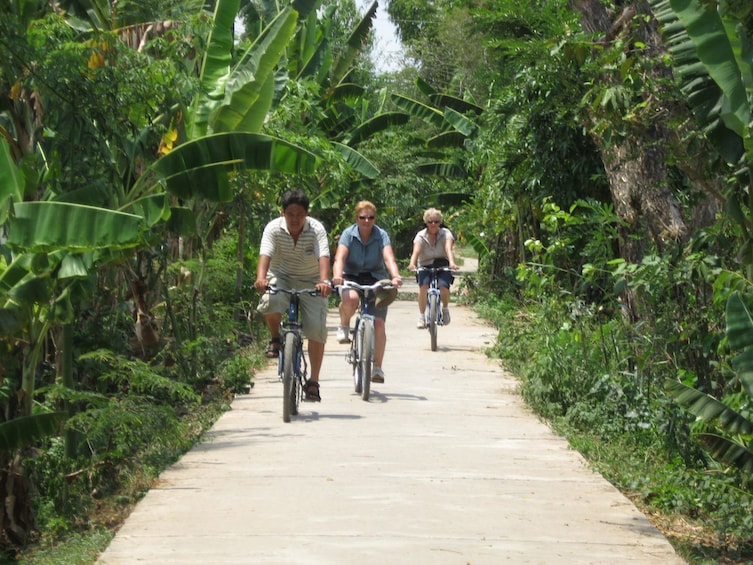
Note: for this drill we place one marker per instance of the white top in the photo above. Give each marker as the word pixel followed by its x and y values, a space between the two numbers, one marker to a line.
pixel 294 259
pixel 430 252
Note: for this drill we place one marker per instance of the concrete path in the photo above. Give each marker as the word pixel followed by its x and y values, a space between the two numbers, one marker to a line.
pixel 444 465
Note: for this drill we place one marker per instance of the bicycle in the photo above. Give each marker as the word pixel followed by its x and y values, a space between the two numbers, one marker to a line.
pixel 292 367
pixel 361 352
pixel 433 303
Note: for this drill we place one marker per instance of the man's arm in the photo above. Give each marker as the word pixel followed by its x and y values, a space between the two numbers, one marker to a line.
pixel 323 286
pixel 262 268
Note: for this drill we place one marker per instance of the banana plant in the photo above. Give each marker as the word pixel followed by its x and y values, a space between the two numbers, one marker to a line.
pixel 713 60
pixel 49 245
pixel 346 119
pixel 731 442
pixel 712 55
pixel 452 116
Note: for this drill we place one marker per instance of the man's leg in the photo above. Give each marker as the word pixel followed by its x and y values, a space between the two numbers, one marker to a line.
pixel 272 320
pixel 316 356
pixel 273 323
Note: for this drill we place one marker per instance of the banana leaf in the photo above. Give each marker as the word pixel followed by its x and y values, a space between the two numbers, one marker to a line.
pixel 421 111
pixel 354 45
pixel 41 227
pixel 478 245
pixel 740 336
pixel 376 124
pixel 460 122
pixel 27 430
pixel 357 161
pixel 249 89
pixel 705 97
pixel 445 170
pixel 11 180
pixel 717 51
pixel 218 57
pixel 708 408
pixel 457 104
pixel 446 139
pixel 727 451
pixel 199 168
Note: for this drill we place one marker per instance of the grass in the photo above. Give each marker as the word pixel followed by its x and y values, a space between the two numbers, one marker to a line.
pixel 78 549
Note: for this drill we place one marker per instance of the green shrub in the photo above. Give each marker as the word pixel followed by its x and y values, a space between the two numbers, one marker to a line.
pixel 236 374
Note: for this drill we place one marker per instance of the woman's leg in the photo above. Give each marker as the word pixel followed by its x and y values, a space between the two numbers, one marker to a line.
pixel 422 292
pixel 380 341
pixel 348 306
pixel 444 293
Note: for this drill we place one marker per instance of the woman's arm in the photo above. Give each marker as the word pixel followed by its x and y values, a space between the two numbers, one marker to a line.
pixel 339 266
pixel 414 256
pixel 449 246
pixel 391 264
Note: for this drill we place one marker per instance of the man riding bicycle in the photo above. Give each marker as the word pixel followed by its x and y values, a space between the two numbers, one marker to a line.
pixel 294 253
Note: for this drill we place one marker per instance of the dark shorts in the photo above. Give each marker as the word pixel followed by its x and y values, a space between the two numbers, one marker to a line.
pixel 364 279
pixel 444 278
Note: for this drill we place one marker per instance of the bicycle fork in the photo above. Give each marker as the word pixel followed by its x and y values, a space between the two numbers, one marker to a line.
pixel 433 291
pixel 352 356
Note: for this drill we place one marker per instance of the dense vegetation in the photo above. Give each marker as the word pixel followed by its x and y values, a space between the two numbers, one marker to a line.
pixel 596 156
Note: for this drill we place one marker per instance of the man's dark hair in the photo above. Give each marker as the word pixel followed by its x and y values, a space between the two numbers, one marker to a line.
pixel 296 196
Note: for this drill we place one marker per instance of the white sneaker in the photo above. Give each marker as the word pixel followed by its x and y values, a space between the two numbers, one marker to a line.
pixel 342 335
pixel 445 316
pixel 377 375
pixel 421 324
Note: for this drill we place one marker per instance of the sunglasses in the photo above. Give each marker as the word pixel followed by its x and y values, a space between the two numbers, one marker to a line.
pixel 365 217
pixel 433 222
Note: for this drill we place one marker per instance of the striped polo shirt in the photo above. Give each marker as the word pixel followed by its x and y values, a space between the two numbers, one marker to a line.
pixel 293 259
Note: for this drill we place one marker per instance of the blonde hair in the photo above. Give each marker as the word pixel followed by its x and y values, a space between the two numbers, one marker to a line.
pixel 430 213
pixel 365 204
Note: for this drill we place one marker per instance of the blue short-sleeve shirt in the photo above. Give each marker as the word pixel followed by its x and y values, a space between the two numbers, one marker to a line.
pixel 365 258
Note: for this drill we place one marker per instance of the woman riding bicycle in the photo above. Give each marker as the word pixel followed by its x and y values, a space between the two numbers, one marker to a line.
pixel 364 254
pixel 433 247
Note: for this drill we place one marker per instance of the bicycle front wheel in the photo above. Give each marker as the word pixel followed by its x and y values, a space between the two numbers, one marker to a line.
pixel 353 359
pixel 296 393
pixel 365 355
pixel 289 395
pixel 433 317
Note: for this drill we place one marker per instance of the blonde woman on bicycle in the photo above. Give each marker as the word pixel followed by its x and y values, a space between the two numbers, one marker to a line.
pixel 433 247
pixel 364 254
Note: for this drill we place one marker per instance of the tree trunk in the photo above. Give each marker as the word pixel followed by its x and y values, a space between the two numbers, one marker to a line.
pixel 635 162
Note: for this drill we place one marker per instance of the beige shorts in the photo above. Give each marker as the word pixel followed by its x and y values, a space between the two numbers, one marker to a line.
pixel 313 309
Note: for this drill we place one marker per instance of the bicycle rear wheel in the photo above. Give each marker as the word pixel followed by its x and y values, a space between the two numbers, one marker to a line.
pixel 289 397
pixel 365 340
pixel 433 317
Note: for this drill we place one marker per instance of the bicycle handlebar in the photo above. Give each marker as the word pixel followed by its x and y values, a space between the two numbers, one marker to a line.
pixel 364 287
pixel 434 269
pixel 310 291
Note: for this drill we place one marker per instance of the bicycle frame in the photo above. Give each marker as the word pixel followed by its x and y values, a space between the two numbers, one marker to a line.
pixel 292 367
pixel 361 352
